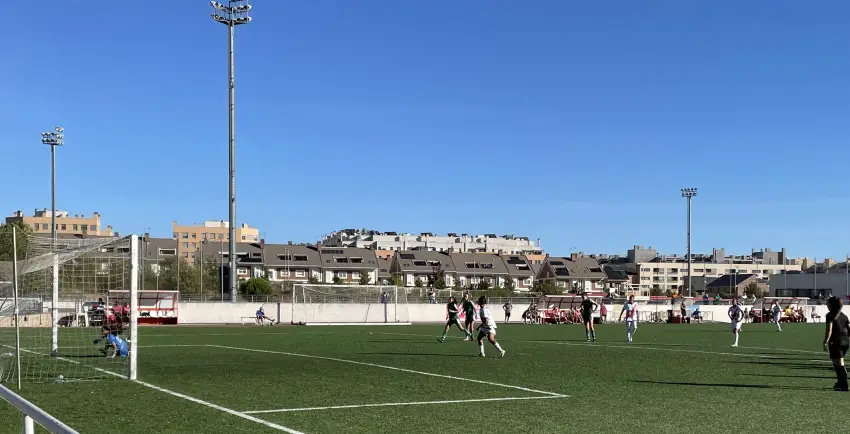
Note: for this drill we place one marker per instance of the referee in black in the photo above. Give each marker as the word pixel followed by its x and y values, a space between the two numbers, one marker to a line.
pixel 837 340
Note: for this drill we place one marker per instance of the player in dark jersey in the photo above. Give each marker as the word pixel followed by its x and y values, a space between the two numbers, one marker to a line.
pixel 836 340
pixel 453 311
pixel 469 315
pixel 588 306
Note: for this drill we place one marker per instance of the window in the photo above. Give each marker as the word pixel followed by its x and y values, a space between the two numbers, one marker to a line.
pixel 698 270
pixel 523 267
pixel 185 245
pixel 84 228
pixel 243 237
pixel 185 254
pixel 299 273
pixel 184 235
pixel 174 235
pixel 527 282
pixel 194 235
pixel 64 227
pixel 355 274
pixel 44 226
pixel 342 274
pixel 167 252
pixel 644 278
pixel 420 264
pixel 241 271
pixel 408 256
pixel 472 265
pixel 332 252
pixel 356 260
pixel 646 270
pixel 93 228
pixel 203 235
pixel 221 236
pixel 299 258
pixel 341 260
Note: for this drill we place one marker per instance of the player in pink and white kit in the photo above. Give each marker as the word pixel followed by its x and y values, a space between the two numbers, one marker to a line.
pixel 630 310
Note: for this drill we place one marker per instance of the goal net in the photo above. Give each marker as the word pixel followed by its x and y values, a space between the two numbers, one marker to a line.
pixel 51 318
pixel 349 305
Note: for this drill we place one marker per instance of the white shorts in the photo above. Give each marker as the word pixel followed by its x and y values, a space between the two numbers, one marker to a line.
pixel 777 317
pixel 631 325
pixel 486 331
pixel 736 325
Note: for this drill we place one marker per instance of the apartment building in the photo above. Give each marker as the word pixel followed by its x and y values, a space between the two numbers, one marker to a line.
pixel 193 239
pixel 66 223
pixel 451 242
pixel 669 273
pixel 286 262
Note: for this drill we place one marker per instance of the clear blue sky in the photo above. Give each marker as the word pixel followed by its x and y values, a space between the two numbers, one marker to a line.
pixel 573 121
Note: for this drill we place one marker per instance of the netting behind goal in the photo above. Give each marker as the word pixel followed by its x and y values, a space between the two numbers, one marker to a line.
pixel 62 307
pixel 342 304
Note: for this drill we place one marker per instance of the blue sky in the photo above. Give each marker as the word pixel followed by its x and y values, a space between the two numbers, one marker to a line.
pixel 575 122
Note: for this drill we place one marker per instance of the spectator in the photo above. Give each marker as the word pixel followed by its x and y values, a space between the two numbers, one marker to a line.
pixel 603 313
pixel 432 297
pixel 508 307
pixel 705 298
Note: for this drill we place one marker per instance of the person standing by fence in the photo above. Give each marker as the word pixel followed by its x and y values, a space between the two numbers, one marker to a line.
pixel 508 307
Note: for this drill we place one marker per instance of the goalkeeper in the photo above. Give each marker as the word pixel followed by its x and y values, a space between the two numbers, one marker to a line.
pixel 119 345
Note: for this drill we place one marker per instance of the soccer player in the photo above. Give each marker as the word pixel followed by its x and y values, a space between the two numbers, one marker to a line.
pixel 737 317
pixel 119 345
pixel 453 311
pixel 588 306
pixel 508 307
pixel 777 314
pixel 469 315
pixel 836 340
pixel 487 328
pixel 630 310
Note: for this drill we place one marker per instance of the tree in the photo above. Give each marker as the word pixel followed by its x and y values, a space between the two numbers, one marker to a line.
pixel 365 279
pixel 255 286
pixel 397 280
pixel 419 283
pixel 656 292
pixel 22 237
pixel 483 285
pixel 456 285
pixel 509 284
pixel 753 289
pixel 548 287
pixel 668 293
pixel 337 280
pixel 438 280
pixel 313 280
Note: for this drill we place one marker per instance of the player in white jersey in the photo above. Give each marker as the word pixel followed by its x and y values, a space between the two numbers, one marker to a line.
pixel 737 317
pixel 776 310
pixel 631 312
pixel 487 327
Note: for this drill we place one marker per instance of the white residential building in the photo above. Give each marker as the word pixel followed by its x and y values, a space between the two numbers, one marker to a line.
pixel 463 243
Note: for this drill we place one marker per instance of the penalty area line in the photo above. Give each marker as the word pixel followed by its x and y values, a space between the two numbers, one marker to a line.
pixel 400 404
pixel 182 396
pixel 393 368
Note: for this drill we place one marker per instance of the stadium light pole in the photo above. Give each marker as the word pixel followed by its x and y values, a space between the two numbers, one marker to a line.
pixel 689 193
pixel 53 139
pixel 232 14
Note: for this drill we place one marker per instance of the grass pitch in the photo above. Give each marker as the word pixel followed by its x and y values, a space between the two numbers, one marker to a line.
pixel 401 379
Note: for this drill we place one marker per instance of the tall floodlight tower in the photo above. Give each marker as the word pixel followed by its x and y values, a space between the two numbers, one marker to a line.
pixel 689 193
pixel 53 139
pixel 232 14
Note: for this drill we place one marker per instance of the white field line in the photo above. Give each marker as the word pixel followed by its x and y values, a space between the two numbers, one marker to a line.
pixel 186 397
pixel 393 368
pixel 642 347
pixel 399 404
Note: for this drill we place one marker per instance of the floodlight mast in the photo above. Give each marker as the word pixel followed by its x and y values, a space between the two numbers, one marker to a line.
pixel 689 193
pixel 53 139
pixel 232 14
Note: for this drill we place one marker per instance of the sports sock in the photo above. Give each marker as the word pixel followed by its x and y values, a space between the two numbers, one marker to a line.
pixel 593 334
pixel 444 334
pixel 587 335
pixel 481 348
pixel 736 339
pixel 629 335
pixel 498 347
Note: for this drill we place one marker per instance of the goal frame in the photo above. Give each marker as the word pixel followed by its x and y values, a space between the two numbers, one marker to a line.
pixel 379 288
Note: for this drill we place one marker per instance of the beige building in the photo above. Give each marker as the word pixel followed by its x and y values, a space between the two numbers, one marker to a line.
pixel 66 224
pixel 673 275
pixel 212 233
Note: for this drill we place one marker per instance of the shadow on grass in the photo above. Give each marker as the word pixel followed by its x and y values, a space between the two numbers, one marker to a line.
pixel 802 366
pixel 818 377
pixel 731 385
pixel 418 354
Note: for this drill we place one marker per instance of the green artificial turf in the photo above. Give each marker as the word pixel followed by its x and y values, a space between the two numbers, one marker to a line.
pixel 671 379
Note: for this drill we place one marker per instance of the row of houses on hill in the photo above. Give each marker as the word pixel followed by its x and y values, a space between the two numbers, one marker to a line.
pixel 301 264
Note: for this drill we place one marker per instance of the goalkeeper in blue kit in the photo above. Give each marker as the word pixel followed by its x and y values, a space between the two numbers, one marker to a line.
pixel 119 345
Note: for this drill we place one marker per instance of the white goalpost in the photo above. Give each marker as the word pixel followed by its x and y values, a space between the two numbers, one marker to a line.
pixel 317 304
pixel 53 314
